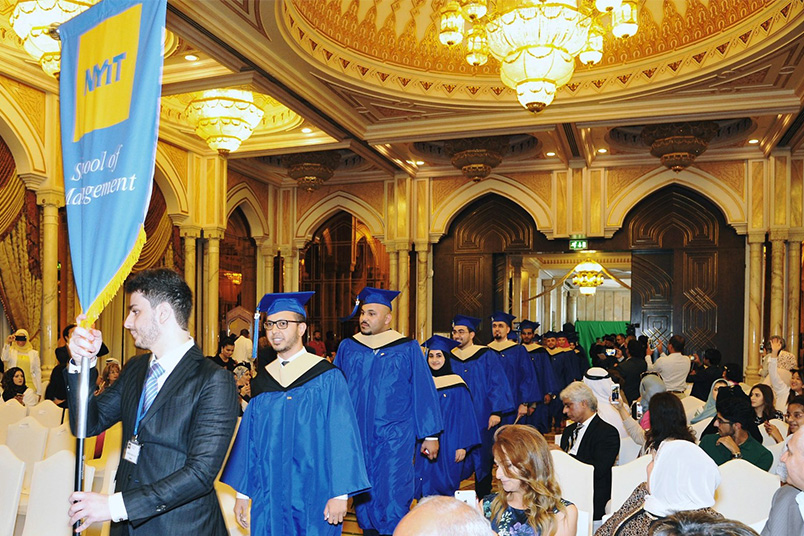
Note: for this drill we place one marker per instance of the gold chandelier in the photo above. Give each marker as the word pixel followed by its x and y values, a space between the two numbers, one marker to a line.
pixel 588 276
pixel 476 157
pixel 678 144
pixel 34 20
pixel 536 41
pixel 310 170
pixel 224 118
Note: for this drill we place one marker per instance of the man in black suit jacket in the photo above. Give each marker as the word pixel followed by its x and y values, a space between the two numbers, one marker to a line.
pixel 590 440
pixel 175 445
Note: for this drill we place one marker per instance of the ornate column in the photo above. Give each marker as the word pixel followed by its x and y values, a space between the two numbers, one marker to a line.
pixel 755 244
pixel 290 266
pixel 265 267
pixel 777 238
pixel 422 311
pixel 793 290
pixel 547 323
pixel 516 287
pixel 403 313
pixel 189 235
pixel 572 306
pixel 211 290
pixel 49 329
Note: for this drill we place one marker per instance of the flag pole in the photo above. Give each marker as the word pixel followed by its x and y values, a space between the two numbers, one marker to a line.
pixel 81 427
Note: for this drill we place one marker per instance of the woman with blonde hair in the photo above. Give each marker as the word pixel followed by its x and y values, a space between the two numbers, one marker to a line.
pixel 529 502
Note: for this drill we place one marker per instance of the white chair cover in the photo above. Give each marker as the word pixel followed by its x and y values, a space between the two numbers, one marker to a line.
pixel 699 427
pixel 47 413
pixel 110 456
pixel 625 478
pixel 745 492
pixel 575 479
pixel 27 440
pixel 11 411
pixel 13 471
pixel 51 485
pixel 776 449
pixel 767 440
pixel 629 451
pixel 60 438
pixel 691 405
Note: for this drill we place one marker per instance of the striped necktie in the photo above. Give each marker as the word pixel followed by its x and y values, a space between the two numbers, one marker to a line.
pixel 574 436
pixel 151 385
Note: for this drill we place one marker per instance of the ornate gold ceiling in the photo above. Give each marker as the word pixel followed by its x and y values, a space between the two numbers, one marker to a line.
pixel 393 45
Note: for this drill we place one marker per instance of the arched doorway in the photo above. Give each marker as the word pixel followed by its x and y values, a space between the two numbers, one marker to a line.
pixel 341 259
pixel 688 270
pixel 237 283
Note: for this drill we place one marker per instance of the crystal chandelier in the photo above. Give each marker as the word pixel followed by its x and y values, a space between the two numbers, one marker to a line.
pixel 536 41
pixel 224 118
pixel 588 276
pixel 33 21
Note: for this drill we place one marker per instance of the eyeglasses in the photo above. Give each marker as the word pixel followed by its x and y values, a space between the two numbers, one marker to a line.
pixel 281 324
pixel 721 420
pixel 459 332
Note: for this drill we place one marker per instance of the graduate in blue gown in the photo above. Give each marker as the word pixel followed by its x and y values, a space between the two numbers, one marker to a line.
pixel 442 476
pixel 396 403
pixel 518 368
pixel 297 453
pixel 562 361
pixel 482 370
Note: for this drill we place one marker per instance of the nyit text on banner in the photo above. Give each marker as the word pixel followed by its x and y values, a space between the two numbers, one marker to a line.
pixel 110 84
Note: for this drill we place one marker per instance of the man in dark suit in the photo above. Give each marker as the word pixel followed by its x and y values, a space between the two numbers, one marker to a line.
pixel 631 370
pixel 590 440
pixel 178 411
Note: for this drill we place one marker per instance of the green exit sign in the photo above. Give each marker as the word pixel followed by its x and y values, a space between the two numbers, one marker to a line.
pixel 579 243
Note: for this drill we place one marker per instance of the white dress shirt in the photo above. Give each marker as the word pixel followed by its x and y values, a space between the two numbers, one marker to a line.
pixel 584 427
pixel 673 369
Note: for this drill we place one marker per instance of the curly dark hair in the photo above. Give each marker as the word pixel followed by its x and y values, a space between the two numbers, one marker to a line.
pixel 667 421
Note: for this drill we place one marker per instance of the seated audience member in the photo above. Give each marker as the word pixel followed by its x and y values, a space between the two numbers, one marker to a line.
pixel 673 367
pixel 529 503
pixel 599 381
pixel 442 476
pixel 795 420
pixel 14 388
pixel 57 389
pixel 709 410
pixel 667 421
pixel 681 477
pixel 109 375
pixel 590 440
pixel 697 523
pixel 733 372
pixel 632 368
pixel 784 379
pixel 650 385
pixel 224 355
pixel 796 386
pixel 443 516
pixel 786 515
pixel 738 436
pixel 762 402
pixel 704 372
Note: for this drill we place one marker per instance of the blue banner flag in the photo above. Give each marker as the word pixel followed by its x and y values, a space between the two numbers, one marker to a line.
pixel 110 84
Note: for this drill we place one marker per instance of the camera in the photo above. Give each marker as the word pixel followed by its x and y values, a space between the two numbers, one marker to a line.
pixel 22 338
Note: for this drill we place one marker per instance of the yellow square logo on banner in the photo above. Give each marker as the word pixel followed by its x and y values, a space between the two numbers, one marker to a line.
pixel 107 57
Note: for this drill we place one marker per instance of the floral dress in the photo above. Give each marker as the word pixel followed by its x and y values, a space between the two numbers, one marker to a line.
pixel 512 522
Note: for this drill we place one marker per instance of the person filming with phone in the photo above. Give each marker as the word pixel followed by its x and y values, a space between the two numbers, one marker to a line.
pixel 673 367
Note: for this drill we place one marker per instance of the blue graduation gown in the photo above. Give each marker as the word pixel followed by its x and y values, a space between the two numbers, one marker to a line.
pixel 481 369
pixel 541 363
pixel 442 476
pixel 521 376
pixel 297 447
pixel 563 362
pixel 396 402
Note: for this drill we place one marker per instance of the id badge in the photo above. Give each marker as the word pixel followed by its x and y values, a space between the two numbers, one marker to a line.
pixel 132 452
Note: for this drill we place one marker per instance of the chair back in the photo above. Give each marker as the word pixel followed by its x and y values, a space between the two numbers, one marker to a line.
pixel 699 427
pixel 629 451
pixel 776 449
pixel 625 478
pixel 51 485
pixel 13 471
pixel 110 455
pixel 47 413
pixel 60 438
pixel 745 491
pixel 27 440
pixel 691 405
pixel 11 411
pixel 768 441
pixel 575 479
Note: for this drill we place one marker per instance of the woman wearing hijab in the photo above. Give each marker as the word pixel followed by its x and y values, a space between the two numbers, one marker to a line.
pixel 681 478
pixel 650 385
pixel 18 352
pixel 14 387
pixel 709 411
pixel 600 383
pixel 442 476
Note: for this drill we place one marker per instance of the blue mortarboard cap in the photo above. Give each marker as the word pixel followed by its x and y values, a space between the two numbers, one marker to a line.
pixel 437 342
pixel 469 321
pixel 561 334
pixel 377 295
pixel 549 335
pixel 528 324
pixel 512 336
pixel 572 337
pixel 501 316
pixel 285 301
